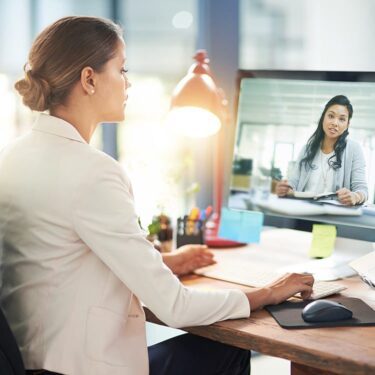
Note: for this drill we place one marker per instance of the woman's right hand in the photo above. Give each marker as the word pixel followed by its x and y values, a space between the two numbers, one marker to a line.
pixel 291 284
pixel 283 188
pixel 281 289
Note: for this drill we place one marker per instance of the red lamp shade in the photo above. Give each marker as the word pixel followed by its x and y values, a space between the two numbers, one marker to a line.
pixel 197 105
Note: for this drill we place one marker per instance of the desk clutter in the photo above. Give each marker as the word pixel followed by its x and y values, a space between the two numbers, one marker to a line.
pixel 191 228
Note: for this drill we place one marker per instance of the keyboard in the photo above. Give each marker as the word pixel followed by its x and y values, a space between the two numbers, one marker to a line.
pixel 254 276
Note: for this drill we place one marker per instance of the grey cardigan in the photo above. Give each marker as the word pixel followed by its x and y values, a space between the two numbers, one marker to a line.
pixel 351 175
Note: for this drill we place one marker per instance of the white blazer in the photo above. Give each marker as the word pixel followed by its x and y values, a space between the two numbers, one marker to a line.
pixel 76 264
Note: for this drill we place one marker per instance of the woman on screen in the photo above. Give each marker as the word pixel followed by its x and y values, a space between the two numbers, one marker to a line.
pixel 330 162
pixel 76 266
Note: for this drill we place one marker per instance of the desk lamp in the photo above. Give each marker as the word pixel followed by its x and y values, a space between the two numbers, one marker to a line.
pixel 197 105
pixel 198 109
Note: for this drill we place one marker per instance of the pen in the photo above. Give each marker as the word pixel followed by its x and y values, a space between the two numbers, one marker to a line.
pixel 367 280
pixel 279 179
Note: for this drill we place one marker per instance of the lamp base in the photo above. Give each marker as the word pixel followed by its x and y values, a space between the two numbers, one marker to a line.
pixel 211 238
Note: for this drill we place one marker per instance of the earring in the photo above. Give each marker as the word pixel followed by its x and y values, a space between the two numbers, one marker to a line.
pixel 92 91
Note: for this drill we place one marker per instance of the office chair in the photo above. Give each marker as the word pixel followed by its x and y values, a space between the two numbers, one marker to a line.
pixel 10 357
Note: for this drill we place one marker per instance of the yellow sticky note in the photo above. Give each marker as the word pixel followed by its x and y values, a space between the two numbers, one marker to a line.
pixel 323 240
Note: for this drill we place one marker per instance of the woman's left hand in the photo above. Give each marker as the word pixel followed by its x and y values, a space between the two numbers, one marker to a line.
pixel 347 197
pixel 187 258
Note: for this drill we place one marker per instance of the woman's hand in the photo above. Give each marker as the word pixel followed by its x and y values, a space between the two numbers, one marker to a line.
pixel 283 188
pixel 347 197
pixel 281 289
pixel 188 258
pixel 290 284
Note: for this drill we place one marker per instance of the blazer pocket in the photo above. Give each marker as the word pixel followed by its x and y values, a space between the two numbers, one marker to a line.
pixel 106 337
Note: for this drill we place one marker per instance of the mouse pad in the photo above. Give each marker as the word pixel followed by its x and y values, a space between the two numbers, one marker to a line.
pixel 288 314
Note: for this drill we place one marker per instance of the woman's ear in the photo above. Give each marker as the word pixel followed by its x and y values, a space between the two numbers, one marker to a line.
pixel 88 80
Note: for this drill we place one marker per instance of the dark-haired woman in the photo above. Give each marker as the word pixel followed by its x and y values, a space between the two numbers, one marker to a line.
pixel 76 264
pixel 330 162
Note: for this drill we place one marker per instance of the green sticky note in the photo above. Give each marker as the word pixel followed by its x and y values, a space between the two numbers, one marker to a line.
pixel 323 240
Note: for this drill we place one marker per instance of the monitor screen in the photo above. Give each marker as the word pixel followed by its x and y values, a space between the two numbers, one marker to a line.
pixel 297 127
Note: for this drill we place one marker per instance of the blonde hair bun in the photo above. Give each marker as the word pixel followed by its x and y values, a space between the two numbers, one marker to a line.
pixel 35 91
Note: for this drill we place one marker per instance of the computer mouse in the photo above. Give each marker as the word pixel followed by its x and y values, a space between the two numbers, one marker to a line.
pixel 325 311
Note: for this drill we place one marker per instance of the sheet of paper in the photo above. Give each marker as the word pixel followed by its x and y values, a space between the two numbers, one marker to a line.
pixel 241 226
pixel 365 266
pixel 323 240
pixel 334 202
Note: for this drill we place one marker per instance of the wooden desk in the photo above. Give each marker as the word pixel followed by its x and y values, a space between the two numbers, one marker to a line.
pixel 342 350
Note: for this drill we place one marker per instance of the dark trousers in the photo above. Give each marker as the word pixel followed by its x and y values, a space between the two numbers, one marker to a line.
pixel 189 354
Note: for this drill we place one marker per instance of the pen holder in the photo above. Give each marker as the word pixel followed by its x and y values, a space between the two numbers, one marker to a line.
pixel 189 231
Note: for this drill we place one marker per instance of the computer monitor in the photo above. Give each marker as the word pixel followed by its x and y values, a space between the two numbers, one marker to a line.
pixel 277 112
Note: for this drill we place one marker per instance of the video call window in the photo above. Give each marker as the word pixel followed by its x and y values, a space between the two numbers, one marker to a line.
pixel 276 118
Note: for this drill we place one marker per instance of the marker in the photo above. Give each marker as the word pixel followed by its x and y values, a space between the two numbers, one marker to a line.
pixel 208 211
pixel 194 214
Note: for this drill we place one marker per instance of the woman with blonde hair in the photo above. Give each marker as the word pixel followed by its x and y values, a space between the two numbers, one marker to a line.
pixel 76 265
